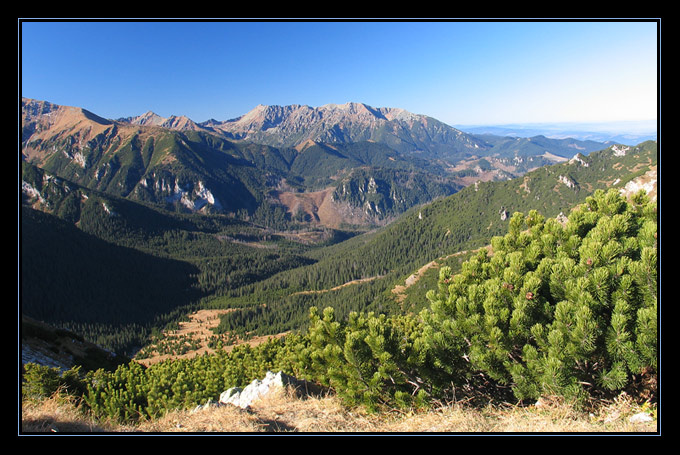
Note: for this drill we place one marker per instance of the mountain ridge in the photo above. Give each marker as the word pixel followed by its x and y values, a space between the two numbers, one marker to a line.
pixel 295 124
pixel 625 132
pixel 242 165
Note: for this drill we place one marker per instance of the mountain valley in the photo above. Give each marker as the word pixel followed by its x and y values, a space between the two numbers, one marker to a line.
pixel 129 225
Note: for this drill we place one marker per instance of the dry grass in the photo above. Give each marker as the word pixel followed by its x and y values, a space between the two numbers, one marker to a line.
pixel 59 414
pixel 199 329
pixel 282 412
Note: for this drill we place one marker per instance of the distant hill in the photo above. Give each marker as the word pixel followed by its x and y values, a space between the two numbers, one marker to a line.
pixel 626 133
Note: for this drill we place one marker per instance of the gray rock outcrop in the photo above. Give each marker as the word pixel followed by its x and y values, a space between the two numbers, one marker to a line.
pixel 244 397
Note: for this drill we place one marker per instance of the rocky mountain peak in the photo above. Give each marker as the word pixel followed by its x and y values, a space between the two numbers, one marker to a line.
pixel 180 122
pixel 148 118
pixel 264 117
pixel 174 122
pixel 353 109
pixel 31 108
pixel 261 118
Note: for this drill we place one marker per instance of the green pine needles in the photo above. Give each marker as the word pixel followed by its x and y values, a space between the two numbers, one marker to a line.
pixel 369 359
pixel 563 310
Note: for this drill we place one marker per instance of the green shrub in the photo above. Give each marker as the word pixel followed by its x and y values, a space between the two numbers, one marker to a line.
pixel 368 359
pixel 40 381
pixel 555 310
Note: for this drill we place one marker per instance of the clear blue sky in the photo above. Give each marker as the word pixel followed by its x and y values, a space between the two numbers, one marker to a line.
pixel 458 72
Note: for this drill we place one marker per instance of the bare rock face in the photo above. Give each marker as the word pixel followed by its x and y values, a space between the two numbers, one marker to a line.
pixel 504 213
pixel 296 124
pixel 645 182
pixel 147 119
pixel 174 122
pixel 290 126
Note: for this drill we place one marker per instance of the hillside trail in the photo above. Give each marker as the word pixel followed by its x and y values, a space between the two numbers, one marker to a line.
pixel 400 290
pixel 199 329
pixel 336 288
pixel 647 182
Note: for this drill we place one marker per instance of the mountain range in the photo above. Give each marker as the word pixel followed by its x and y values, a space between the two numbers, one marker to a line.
pixel 624 132
pixel 295 162
pixel 291 126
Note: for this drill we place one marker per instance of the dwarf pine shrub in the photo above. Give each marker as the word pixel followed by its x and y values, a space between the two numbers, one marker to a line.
pixel 552 309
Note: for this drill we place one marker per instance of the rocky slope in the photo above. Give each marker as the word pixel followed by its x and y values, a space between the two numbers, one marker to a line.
pixel 293 125
pixel 351 122
pixel 45 345
pixel 148 160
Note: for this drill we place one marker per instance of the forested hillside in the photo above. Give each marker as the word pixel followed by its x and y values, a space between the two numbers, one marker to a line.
pixel 174 262
pixel 557 307
pixel 112 269
pixel 464 221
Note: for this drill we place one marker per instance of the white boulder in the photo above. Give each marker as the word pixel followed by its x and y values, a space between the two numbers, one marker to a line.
pixel 244 397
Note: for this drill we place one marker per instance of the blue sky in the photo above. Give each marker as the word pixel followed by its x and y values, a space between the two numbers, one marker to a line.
pixel 462 73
